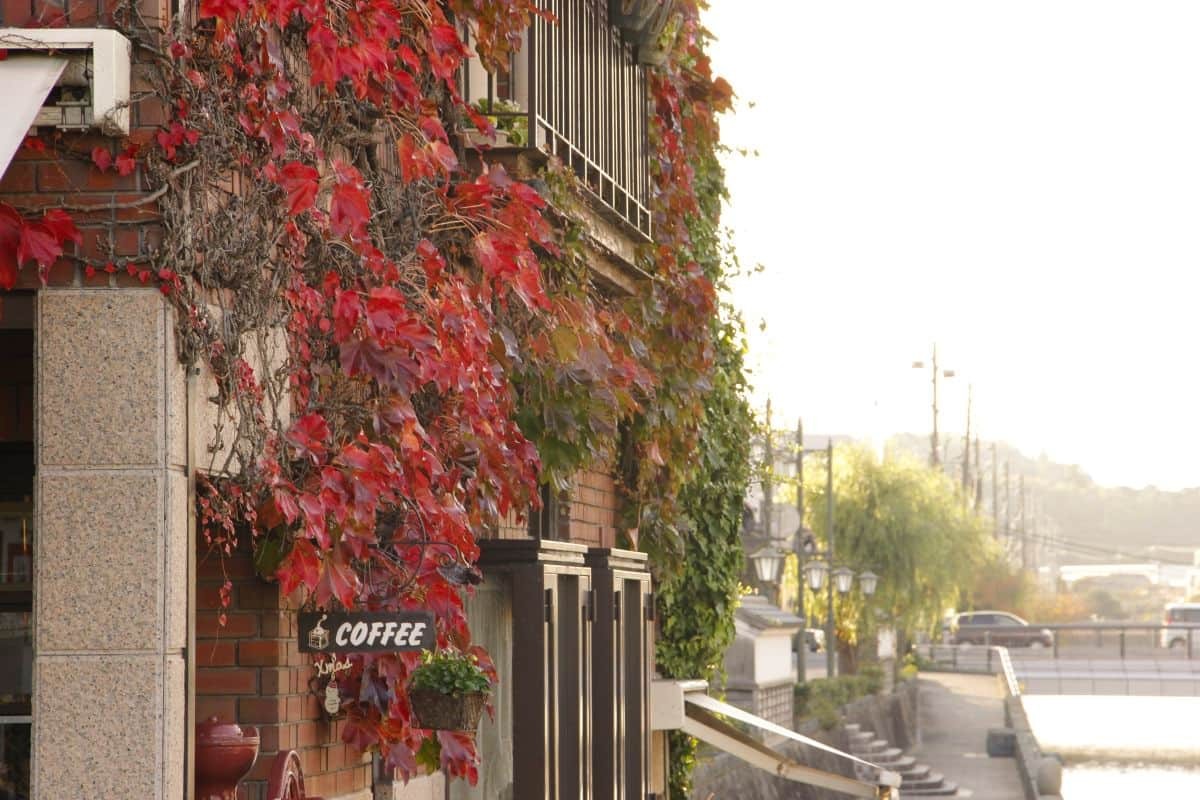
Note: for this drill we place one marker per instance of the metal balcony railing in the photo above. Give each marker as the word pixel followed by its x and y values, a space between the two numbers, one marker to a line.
pixel 577 91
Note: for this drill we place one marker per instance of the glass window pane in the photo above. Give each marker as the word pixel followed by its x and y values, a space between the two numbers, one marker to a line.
pixel 14 760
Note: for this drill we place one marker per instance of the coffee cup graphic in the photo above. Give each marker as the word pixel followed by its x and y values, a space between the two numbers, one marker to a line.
pixel 318 637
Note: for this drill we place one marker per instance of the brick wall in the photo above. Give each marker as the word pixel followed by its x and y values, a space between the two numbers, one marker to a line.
pixel 594 508
pixel 109 209
pixel 252 672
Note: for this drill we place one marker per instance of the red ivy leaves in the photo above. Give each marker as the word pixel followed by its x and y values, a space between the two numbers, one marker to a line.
pixel 23 240
pixel 299 183
pixel 349 208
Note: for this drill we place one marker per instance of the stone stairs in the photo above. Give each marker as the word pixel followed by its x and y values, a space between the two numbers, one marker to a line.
pixel 918 779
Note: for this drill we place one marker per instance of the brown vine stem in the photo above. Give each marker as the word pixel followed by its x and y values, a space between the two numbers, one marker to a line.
pixel 150 198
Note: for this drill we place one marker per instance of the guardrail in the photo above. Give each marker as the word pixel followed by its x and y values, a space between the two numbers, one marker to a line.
pixel 1182 641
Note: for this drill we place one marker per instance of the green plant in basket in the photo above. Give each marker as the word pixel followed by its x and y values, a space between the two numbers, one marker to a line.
pixel 449 672
pixel 448 691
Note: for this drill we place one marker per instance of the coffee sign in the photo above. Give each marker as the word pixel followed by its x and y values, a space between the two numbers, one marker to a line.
pixel 367 632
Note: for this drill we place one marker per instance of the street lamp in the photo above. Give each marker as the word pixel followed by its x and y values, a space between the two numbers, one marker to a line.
pixel 767 563
pixel 867 581
pixel 843 578
pixel 814 574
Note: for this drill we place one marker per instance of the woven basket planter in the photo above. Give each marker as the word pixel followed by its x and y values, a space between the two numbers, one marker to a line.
pixel 447 712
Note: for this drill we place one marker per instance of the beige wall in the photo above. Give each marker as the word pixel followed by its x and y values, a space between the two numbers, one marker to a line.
pixel 111 582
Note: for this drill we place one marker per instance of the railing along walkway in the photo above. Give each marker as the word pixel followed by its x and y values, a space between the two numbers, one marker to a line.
pixel 1040 673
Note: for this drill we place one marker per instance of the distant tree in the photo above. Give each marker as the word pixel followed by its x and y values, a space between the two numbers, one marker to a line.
pixel 1104 605
pixel 908 524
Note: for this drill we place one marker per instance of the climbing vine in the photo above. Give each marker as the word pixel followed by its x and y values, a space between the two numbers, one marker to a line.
pixel 698 592
pixel 401 348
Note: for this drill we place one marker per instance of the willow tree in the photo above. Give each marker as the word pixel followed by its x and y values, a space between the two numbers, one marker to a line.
pixel 908 524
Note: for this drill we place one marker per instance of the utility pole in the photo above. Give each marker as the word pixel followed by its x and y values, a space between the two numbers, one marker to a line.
pixel 798 547
pixel 1007 509
pixel 830 632
pixel 768 488
pixel 935 458
pixel 995 495
pixel 1024 538
pixel 978 478
pixel 966 460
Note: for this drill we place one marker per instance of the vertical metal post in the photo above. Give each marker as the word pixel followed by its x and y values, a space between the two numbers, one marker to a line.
pixel 768 482
pixel 1190 656
pixel 934 457
pixel 995 495
pixel 966 464
pixel 1056 638
pixel 1122 644
pixel 798 547
pixel 830 631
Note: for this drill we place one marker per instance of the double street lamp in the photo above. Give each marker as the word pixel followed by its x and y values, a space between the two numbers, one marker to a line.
pixel 816 570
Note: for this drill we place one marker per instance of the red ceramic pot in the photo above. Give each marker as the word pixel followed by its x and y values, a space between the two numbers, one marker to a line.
pixel 225 752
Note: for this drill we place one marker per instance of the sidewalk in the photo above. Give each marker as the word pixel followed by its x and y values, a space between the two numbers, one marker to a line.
pixel 955 713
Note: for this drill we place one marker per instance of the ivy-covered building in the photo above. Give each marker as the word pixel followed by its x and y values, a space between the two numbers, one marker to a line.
pixel 265 279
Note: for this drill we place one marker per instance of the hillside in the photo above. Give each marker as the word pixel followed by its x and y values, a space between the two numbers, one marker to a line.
pixel 1074 507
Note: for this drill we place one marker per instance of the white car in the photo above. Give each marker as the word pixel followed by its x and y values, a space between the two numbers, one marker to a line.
pixel 1180 614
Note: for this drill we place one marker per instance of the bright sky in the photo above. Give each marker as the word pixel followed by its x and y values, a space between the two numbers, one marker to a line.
pixel 1017 181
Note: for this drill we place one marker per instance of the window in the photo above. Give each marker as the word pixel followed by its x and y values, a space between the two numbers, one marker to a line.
pixel 16 543
pixel 1006 620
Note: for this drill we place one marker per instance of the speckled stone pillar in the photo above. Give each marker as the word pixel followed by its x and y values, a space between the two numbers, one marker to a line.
pixel 110 587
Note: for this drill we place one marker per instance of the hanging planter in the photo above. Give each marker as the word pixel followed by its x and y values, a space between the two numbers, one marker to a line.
pixel 448 692
pixel 447 712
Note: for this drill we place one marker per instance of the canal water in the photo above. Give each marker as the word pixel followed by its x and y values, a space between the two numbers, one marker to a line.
pixel 1121 747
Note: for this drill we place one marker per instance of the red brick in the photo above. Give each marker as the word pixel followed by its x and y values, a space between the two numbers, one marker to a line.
pixel 126 241
pixel 208 595
pixel 278 624
pixel 149 112
pixel 308 734
pixel 237 626
pixel 262 652
pixel 226 681
pixel 223 708
pixel 154 242
pixel 261 709
pixel 133 210
pixel 351 780
pixel 310 761
pixel 276 680
pixel 216 653
pixel 19 177
pixel 83 13
pixel 256 594
pixel 16 13
pixel 321 785
pixel 72 175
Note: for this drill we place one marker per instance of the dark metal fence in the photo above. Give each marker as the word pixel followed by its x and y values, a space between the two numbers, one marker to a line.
pixel 582 97
pixel 1094 639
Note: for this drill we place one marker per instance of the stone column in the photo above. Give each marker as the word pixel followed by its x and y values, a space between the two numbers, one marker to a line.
pixel 110 590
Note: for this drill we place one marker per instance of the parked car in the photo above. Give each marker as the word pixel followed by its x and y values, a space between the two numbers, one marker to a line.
pixel 1179 614
pixel 814 639
pixel 999 628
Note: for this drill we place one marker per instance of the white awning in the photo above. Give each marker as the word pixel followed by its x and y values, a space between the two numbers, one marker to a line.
pixel 24 83
pixel 701 721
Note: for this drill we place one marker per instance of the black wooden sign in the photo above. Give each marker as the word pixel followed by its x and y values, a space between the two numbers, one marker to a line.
pixel 366 632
